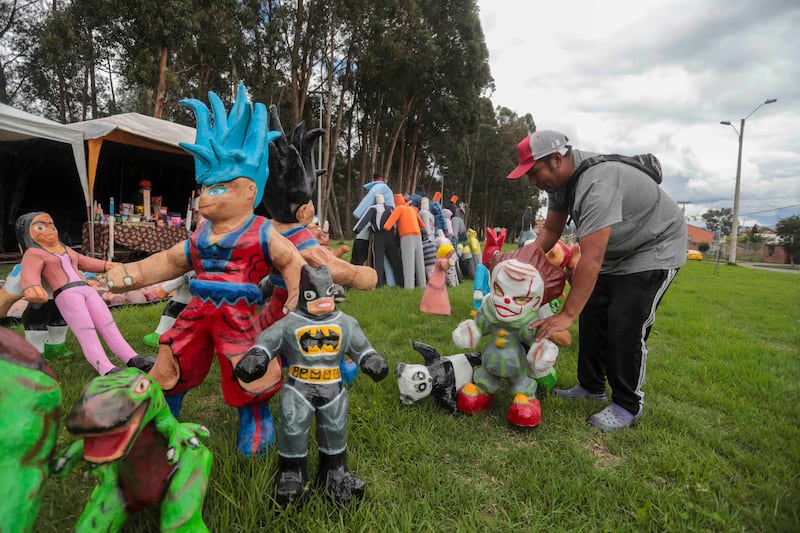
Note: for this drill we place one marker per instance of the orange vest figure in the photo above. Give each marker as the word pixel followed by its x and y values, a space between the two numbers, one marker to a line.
pixel 408 223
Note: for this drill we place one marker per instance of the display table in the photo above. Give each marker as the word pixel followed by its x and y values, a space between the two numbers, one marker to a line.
pixel 139 238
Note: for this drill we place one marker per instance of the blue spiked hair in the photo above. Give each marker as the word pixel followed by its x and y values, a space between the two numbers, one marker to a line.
pixel 235 146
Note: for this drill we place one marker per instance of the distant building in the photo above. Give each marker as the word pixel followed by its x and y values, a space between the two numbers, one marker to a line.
pixel 773 253
pixel 698 235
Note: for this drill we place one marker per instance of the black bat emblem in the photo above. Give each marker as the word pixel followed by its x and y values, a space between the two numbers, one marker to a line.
pixel 319 340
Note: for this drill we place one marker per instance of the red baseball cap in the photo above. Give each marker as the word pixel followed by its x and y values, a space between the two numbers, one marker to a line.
pixel 534 147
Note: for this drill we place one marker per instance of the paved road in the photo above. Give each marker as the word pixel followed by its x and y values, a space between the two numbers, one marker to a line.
pixel 766 266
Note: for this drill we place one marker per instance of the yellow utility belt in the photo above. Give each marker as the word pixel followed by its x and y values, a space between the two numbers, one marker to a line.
pixel 315 375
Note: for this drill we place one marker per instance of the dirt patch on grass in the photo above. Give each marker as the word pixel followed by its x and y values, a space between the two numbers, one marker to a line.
pixel 604 459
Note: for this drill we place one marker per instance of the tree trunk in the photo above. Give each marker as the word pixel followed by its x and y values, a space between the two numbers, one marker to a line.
pixel 333 138
pixel 348 180
pixel 373 144
pixel 473 158
pixel 414 154
pixel 92 78
pixel 401 176
pixel 395 136
pixel 85 102
pixel 161 91
pixel 113 106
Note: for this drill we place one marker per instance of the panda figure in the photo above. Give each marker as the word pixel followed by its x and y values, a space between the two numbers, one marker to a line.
pixel 442 376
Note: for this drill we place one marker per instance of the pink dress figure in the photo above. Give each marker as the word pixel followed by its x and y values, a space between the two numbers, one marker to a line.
pixel 435 299
pixel 46 259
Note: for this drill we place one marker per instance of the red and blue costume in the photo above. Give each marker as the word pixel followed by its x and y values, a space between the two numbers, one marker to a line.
pixel 302 238
pixel 222 318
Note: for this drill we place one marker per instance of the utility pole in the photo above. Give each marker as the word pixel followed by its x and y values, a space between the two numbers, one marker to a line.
pixel 683 207
pixel 735 221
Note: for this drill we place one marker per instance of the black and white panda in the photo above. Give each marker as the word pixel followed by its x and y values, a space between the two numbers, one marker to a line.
pixel 442 376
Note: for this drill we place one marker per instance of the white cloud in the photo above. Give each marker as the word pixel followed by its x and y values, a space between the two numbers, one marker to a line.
pixel 658 76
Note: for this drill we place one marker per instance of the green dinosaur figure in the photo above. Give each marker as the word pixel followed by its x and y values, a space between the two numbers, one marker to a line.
pixel 30 401
pixel 145 456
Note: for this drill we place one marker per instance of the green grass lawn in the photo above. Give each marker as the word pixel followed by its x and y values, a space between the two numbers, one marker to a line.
pixel 717 450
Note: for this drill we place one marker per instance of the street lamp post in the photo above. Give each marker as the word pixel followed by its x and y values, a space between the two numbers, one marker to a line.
pixel 735 221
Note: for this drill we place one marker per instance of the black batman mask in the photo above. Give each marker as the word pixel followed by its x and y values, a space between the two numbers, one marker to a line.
pixel 314 284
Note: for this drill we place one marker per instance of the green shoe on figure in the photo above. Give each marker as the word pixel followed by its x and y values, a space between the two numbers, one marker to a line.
pixel 548 381
pixel 52 351
pixel 151 339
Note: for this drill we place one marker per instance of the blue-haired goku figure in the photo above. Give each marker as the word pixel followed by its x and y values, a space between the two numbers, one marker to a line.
pixel 231 251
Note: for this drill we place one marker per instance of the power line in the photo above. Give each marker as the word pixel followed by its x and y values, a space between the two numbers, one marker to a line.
pixel 773 209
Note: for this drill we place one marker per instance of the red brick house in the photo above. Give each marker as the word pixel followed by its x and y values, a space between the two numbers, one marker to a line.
pixel 773 253
pixel 698 235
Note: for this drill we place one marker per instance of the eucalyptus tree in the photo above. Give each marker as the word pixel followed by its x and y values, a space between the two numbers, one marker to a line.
pixel 52 67
pixel 264 57
pixel 149 32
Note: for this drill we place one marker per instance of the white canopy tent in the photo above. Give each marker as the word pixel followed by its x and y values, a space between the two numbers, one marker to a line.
pixel 16 125
pixel 43 167
pixel 131 129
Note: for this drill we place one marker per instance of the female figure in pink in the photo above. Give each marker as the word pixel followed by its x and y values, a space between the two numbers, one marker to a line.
pixel 46 259
pixel 435 299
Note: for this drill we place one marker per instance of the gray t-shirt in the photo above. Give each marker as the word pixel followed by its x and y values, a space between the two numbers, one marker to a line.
pixel 648 231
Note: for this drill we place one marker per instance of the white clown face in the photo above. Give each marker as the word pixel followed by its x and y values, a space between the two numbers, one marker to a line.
pixel 516 288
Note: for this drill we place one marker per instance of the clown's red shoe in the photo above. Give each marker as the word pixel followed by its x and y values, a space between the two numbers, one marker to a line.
pixel 472 401
pixel 524 412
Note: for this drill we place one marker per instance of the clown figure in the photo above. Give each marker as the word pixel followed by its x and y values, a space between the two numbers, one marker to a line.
pixel 516 293
pixel 314 337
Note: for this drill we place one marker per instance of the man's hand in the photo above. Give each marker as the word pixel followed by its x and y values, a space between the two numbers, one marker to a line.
pixel 552 325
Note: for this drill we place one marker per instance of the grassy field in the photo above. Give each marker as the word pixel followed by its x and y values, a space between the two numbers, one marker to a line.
pixel 717 450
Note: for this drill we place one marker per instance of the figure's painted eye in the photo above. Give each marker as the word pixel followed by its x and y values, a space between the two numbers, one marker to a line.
pixel 498 290
pixel 142 386
pixel 522 300
pixel 216 190
pixel 309 295
pixel 422 387
pixel 418 376
pixel 39 227
pixel 330 291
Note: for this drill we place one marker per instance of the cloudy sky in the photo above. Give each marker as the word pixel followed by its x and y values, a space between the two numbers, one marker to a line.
pixel 632 76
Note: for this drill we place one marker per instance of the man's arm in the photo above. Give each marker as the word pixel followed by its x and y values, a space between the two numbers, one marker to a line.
pixel 162 266
pixel 593 249
pixel 284 256
pixel 552 229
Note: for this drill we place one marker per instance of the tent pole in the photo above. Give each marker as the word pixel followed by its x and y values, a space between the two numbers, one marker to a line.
pixel 90 208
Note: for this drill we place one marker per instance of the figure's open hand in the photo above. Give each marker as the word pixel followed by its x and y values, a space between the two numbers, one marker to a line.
pixel 118 278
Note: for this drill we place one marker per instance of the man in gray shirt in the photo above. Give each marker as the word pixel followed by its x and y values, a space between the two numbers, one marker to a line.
pixel 632 241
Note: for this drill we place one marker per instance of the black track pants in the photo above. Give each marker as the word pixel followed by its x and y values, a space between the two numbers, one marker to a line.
pixel 613 328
